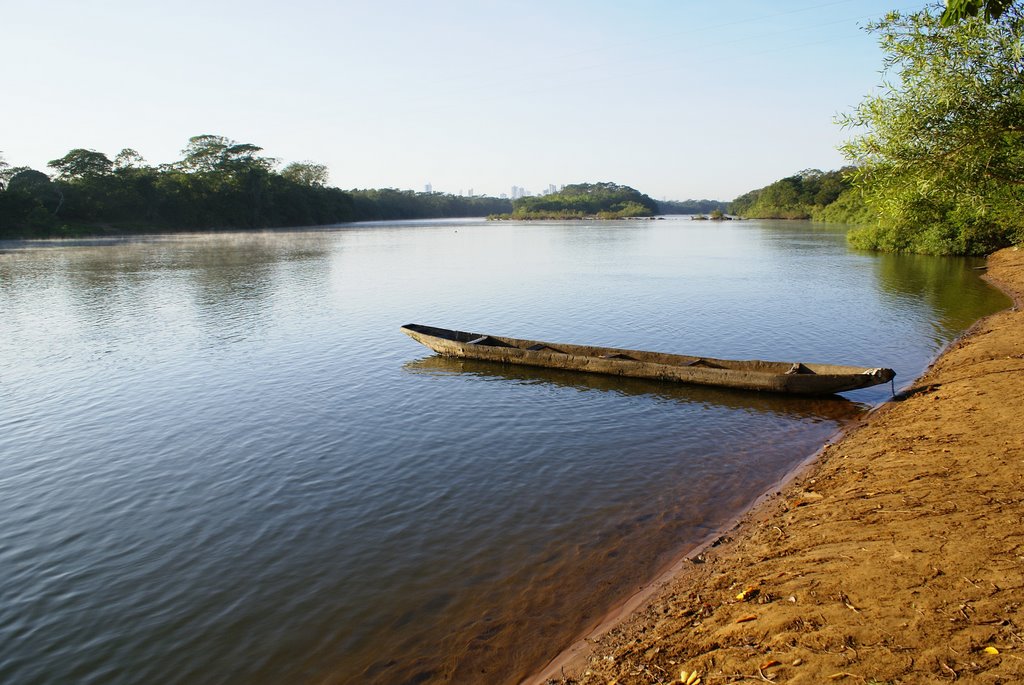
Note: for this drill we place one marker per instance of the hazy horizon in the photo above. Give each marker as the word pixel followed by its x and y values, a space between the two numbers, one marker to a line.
pixel 680 102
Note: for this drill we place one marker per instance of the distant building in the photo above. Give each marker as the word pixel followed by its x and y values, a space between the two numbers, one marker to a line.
pixel 518 192
pixel 428 188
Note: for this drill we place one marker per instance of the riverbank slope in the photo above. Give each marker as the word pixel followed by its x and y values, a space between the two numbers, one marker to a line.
pixel 897 556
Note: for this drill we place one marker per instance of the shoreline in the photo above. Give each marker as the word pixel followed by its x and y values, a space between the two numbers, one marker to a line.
pixel 570 658
pixel 873 559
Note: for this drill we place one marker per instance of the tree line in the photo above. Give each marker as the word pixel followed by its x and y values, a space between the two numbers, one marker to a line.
pixel 218 183
pixel 691 206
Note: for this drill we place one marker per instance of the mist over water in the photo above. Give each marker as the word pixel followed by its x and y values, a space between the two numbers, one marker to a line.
pixel 220 461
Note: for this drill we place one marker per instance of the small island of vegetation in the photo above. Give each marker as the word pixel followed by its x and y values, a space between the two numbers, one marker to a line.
pixel 714 215
pixel 584 201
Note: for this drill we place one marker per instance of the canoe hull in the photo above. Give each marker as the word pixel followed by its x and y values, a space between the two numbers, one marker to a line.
pixel 780 377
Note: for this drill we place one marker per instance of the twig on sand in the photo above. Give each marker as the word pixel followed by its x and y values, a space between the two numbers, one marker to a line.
pixel 744 676
pixel 951 671
pixel 846 600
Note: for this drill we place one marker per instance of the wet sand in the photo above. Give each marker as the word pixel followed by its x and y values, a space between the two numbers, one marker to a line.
pixel 896 556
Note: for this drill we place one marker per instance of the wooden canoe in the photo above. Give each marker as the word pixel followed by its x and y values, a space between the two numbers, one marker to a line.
pixel 783 377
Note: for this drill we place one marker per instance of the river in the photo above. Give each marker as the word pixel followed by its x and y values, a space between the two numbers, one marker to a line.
pixel 221 462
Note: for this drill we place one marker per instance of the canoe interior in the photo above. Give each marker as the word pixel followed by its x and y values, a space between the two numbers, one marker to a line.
pixel 794 377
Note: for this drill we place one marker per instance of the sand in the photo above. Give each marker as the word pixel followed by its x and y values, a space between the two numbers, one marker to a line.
pixel 897 556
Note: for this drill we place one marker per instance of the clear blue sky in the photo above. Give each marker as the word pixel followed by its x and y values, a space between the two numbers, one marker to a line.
pixel 680 99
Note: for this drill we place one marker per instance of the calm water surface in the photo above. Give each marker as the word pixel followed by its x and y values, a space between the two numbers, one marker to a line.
pixel 220 461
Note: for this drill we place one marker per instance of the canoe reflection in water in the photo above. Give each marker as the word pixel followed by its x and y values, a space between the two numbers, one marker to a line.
pixel 827 408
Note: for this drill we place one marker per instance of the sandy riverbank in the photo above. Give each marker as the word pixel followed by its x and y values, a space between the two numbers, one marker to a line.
pixel 896 557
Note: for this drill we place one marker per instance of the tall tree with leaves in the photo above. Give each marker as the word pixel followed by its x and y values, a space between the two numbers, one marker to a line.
pixel 941 158
pixel 81 163
pixel 306 174
pixel 216 153
pixel 128 158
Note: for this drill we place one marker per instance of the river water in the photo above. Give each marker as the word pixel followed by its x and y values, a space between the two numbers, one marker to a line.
pixel 221 462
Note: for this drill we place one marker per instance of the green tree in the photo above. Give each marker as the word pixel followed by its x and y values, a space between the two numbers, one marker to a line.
pixel 203 152
pixel 81 163
pixel 306 174
pixel 958 10
pixel 31 200
pixel 128 159
pixel 8 172
pixel 941 158
pixel 801 196
pixel 216 153
pixel 34 183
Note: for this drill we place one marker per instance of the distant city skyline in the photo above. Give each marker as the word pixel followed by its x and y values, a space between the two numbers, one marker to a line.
pixel 678 100
pixel 516 193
